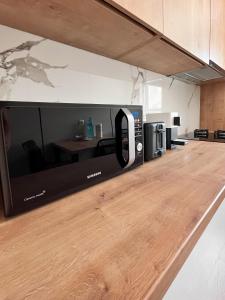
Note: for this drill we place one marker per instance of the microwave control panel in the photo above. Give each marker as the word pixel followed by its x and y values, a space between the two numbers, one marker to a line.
pixel 138 125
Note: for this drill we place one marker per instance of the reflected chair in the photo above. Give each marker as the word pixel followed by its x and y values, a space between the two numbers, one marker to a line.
pixel 106 146
pixel 35 157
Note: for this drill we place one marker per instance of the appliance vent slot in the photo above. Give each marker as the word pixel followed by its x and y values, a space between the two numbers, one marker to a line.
pixel 200 75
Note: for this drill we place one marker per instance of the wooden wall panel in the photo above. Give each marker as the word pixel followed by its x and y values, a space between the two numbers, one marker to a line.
pixel 212 109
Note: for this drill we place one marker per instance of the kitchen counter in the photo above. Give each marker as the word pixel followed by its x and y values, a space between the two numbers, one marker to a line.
pixel 125 238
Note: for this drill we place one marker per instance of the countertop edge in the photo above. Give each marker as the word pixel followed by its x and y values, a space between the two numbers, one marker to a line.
pixel 159 288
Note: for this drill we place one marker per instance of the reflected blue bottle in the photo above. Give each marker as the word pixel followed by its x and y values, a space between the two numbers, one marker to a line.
pixel 90 128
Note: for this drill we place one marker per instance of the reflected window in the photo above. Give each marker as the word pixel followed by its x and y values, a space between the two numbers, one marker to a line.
pixel 152 98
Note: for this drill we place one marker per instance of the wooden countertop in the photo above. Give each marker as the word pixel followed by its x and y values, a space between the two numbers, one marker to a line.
pixel 125 238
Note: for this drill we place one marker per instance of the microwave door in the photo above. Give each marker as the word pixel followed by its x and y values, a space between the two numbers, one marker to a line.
pixel 125 138
pixel 5 191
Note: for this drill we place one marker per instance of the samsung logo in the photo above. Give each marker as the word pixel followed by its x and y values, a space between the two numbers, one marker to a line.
pixel 35 196
pixel 94 175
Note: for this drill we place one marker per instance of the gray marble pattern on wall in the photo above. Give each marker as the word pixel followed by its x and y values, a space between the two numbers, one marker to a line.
pixel 26 66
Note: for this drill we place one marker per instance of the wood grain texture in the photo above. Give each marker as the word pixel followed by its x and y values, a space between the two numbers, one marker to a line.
pixel 86 24
pixel 217 41
pixel 212 106
pixel 97 27
pixel 125 238
pixel 187 23
pixel 202 275
pixel 147 12
pixel 159 56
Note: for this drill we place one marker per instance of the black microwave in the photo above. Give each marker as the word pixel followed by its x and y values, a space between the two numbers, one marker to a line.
pixel 49 150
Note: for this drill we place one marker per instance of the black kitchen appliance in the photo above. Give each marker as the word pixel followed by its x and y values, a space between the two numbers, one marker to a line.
pixel 201 133
pixel 154 140
pixel 51 150
pixel 219 134
pixel 171 138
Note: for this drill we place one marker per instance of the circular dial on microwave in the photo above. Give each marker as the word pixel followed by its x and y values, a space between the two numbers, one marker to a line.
pixel 139 147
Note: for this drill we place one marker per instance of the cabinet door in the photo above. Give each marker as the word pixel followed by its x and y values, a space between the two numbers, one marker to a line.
pixel 212 106
pixel 161 57
pixel 147 12
pixel 187 23
pixel 217 42
pixel 88 25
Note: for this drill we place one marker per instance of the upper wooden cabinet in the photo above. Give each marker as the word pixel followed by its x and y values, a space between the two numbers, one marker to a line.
pixel 97 27
pixel 217 41
pixel 147 12
pixel 88 24
pixel 159 56
pixel 187 23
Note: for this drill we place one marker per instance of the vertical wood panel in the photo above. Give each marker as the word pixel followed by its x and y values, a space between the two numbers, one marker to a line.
pixel 212 109
pixel 187 23
pixel 217 42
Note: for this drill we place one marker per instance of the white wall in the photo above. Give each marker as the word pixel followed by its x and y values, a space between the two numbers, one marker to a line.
pixel 55 72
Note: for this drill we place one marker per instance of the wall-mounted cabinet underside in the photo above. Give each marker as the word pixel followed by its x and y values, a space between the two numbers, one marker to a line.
pixel 97 27
pixel 147 12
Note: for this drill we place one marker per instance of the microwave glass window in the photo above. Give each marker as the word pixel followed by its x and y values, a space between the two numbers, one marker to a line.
pixel 38 139
pixel 75 135
pixel 23 140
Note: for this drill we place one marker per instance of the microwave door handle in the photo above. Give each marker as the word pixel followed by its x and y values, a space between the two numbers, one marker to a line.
pixel 160 139
pixel 124 112
pixel 131 137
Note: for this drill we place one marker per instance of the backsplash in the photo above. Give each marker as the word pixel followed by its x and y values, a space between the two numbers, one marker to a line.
pixel 23 66
pixel 37 69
